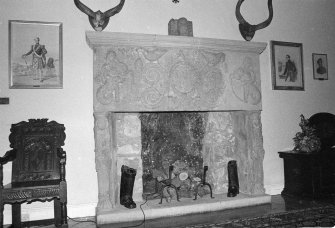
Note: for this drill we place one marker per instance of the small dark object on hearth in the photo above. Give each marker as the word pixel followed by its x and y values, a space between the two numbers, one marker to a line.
pixel 233 185
pixel 175 1
pixel 126 188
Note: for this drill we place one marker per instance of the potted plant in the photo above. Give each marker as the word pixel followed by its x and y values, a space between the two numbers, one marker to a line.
pixel 306 140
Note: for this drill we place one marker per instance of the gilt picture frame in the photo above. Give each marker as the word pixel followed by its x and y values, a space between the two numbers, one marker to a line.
pixel 35 55
pixel 287 65
pixel 320 66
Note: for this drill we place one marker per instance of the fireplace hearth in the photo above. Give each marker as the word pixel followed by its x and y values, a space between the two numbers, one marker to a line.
pixel 180 102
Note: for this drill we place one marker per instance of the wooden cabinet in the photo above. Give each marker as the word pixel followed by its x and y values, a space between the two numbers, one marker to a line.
pixel 308 174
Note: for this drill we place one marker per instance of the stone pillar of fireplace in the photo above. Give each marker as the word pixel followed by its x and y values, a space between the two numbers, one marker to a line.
pixel 117 143
pixel 136 73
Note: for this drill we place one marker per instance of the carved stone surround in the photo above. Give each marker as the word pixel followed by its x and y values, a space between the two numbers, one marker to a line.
pixel 136 73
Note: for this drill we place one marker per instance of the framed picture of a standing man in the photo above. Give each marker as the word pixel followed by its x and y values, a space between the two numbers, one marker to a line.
pixel 320 66
pixel 35 55
pixel 287 66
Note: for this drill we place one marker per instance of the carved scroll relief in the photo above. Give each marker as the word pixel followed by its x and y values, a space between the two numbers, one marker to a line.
pixel 244 83
pixel 132 78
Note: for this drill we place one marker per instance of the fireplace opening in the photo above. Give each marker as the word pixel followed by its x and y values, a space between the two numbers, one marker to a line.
pixel 172 154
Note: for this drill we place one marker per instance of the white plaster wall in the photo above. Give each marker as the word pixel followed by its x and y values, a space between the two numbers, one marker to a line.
pixel 304 21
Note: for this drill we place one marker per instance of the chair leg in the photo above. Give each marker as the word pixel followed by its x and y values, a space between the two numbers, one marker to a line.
pixel 63 214
pixel 57 212
pixel 60 213
pixel 1 214
pixel 16 215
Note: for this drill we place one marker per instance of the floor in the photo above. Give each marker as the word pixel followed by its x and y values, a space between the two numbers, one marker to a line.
pixel 278 204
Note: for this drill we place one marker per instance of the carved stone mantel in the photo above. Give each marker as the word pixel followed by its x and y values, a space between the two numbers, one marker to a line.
pixel 136 73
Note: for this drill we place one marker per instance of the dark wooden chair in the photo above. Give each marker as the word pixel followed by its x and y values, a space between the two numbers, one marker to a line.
pixel 38 169
pixel 324 124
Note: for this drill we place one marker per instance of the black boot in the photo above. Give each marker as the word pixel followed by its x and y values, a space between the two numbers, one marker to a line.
pixel 127 184
pixel 233 185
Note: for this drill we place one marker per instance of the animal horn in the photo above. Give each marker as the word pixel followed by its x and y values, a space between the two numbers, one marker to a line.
pixel 83 8
pixel 247 30
pixel 238 12
pixel 267 21
pixel 99 20
pixel 115 10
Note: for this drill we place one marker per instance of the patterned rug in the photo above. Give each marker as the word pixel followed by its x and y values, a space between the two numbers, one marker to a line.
pixel 312 217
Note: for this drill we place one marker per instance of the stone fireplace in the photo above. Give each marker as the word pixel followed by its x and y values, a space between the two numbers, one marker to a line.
pixel 140 79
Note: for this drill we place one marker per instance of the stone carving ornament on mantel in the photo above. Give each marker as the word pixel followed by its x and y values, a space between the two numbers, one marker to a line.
pixel 137 72
pixel 180 27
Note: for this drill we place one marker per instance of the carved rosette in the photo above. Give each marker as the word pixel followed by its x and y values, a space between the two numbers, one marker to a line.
pixel 184 78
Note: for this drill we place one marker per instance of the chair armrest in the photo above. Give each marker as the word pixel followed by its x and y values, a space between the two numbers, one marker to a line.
pixel 62 155
pixel 9 156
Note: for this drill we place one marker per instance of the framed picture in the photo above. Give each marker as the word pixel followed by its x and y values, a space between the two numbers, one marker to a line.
pixel 320 66
pixel 287 66
pixel 35 55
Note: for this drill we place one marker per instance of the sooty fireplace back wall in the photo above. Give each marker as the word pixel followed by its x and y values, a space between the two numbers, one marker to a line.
pixel 217 80
pixel 172 139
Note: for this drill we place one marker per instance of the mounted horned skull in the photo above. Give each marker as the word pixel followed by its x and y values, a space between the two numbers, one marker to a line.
pixel 247 30
pixel 98 19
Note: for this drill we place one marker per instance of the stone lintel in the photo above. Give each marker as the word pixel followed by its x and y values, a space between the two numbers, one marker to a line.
pixel 95 40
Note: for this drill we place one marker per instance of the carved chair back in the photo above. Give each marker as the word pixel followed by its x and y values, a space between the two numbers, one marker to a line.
pixel 36 144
